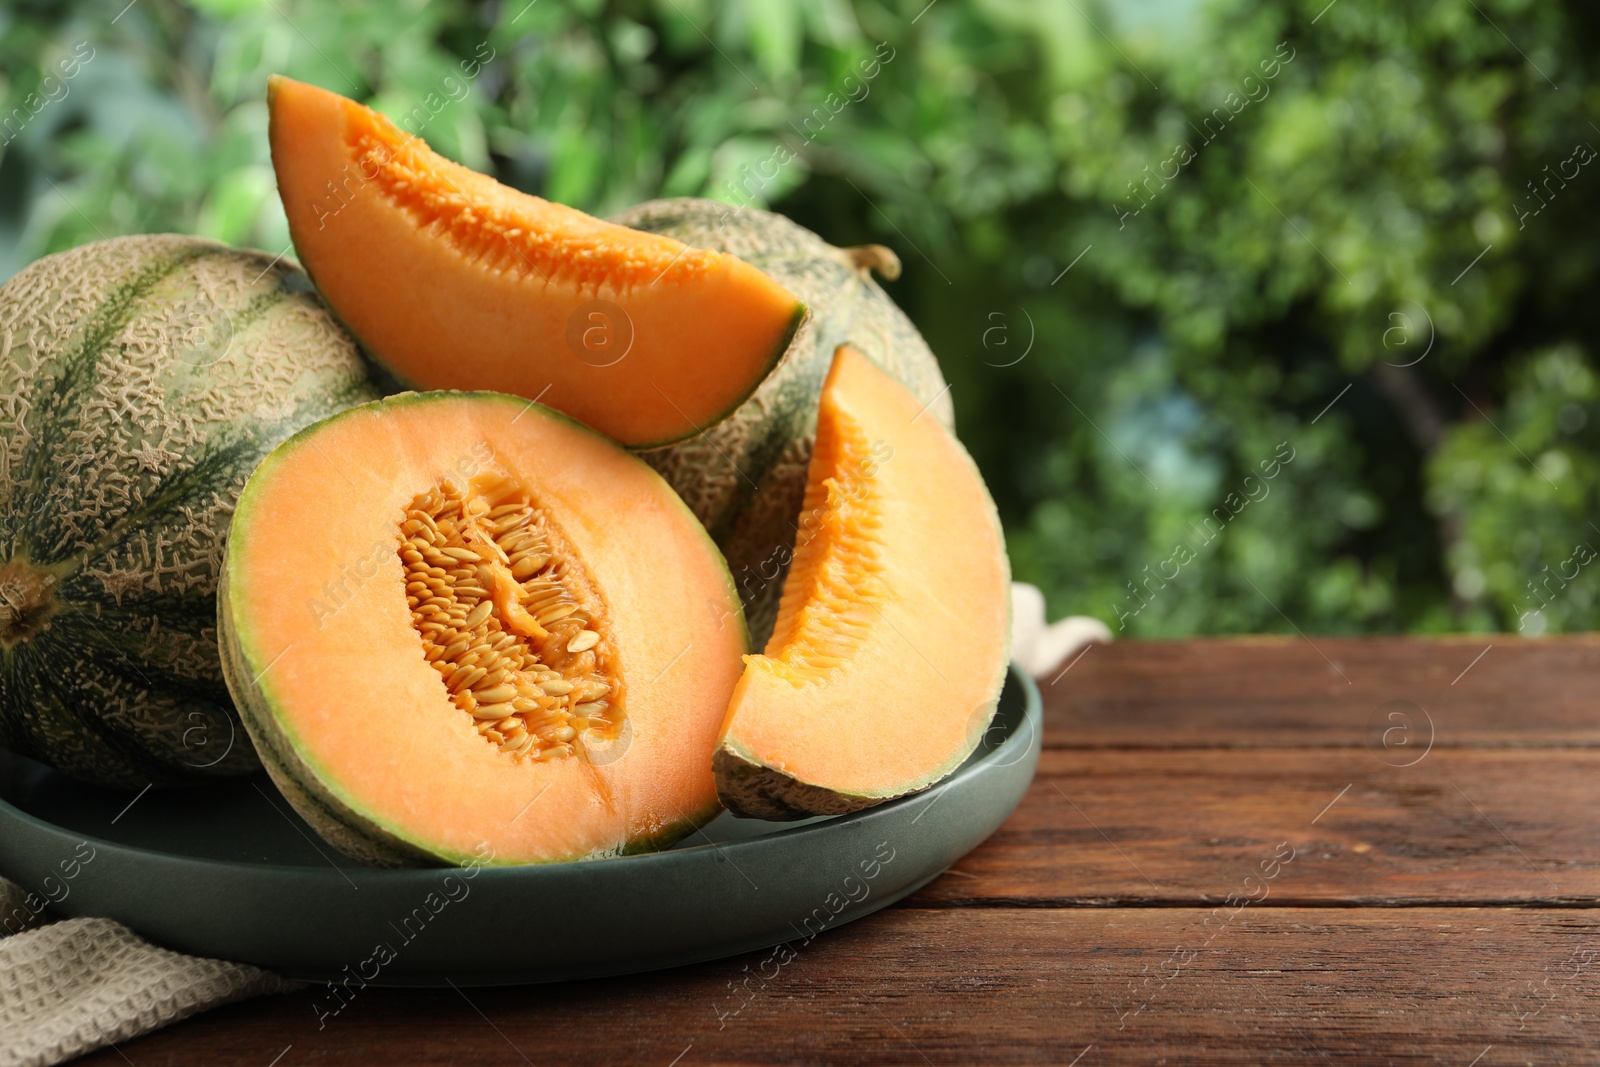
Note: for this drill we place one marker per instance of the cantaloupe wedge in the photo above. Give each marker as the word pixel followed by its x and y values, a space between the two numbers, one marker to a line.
pixel 462 626
pixel 454 281
pixel 890 648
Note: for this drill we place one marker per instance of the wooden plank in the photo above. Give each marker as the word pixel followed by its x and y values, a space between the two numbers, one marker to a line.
pixel 1075 986
pixel 1125 826
pixel 1260 692
pixel 1142 905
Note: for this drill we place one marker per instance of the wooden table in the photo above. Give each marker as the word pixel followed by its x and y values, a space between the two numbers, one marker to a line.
pixel 1236 851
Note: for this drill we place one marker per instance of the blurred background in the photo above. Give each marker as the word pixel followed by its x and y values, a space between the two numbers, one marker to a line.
pixel 1257 315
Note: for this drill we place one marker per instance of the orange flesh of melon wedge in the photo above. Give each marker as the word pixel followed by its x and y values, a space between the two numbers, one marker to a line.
pixel 891 642
pixel 454 281
pixel 358 729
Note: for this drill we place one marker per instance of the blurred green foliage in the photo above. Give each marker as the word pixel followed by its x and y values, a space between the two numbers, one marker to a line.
pixel 1356 234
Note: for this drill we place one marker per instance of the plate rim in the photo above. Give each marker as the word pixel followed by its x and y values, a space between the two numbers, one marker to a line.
pixel 1030 721
pixel 739 926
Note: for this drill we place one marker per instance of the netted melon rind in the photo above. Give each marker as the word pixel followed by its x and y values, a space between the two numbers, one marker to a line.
pixel 744 478
pixel 141 378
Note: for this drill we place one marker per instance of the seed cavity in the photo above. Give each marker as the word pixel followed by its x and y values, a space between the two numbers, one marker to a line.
pixel 835 586
pixel 500 233
pixel 508 619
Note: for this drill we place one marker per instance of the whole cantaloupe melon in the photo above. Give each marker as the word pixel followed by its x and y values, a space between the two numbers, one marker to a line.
pixel 141 380
pixel 745 477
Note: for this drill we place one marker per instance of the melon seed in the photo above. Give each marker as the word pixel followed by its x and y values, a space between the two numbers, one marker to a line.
pixel 465 676
pixel 560 611
pixel 471 560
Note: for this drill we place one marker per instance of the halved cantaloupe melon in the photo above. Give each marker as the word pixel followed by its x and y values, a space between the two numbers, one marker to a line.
pixel 460 625
pixel 886 662
pixel 454 281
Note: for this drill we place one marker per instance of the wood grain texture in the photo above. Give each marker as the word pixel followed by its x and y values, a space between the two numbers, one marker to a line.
pixel 1262 692
pixel 1183 827
pixel 915 986
pixel 1230 855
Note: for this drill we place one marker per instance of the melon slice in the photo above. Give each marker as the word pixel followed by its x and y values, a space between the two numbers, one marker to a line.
pixel 886 662
pixel 454 281
pixel 462 626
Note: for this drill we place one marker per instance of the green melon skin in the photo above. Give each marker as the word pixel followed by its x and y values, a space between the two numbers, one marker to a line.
pixel 745 477
pixel 313 789
pixel 141 380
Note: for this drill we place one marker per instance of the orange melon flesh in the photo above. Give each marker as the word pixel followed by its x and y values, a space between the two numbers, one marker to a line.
pixel 452 280
pixel 357 727
pixel 891 642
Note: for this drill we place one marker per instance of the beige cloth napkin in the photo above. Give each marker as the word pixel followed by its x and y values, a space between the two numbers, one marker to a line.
pixel 70 986
pixel 1039 647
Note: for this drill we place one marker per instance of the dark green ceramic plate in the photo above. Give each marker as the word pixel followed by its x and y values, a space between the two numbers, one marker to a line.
pixel 230 871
